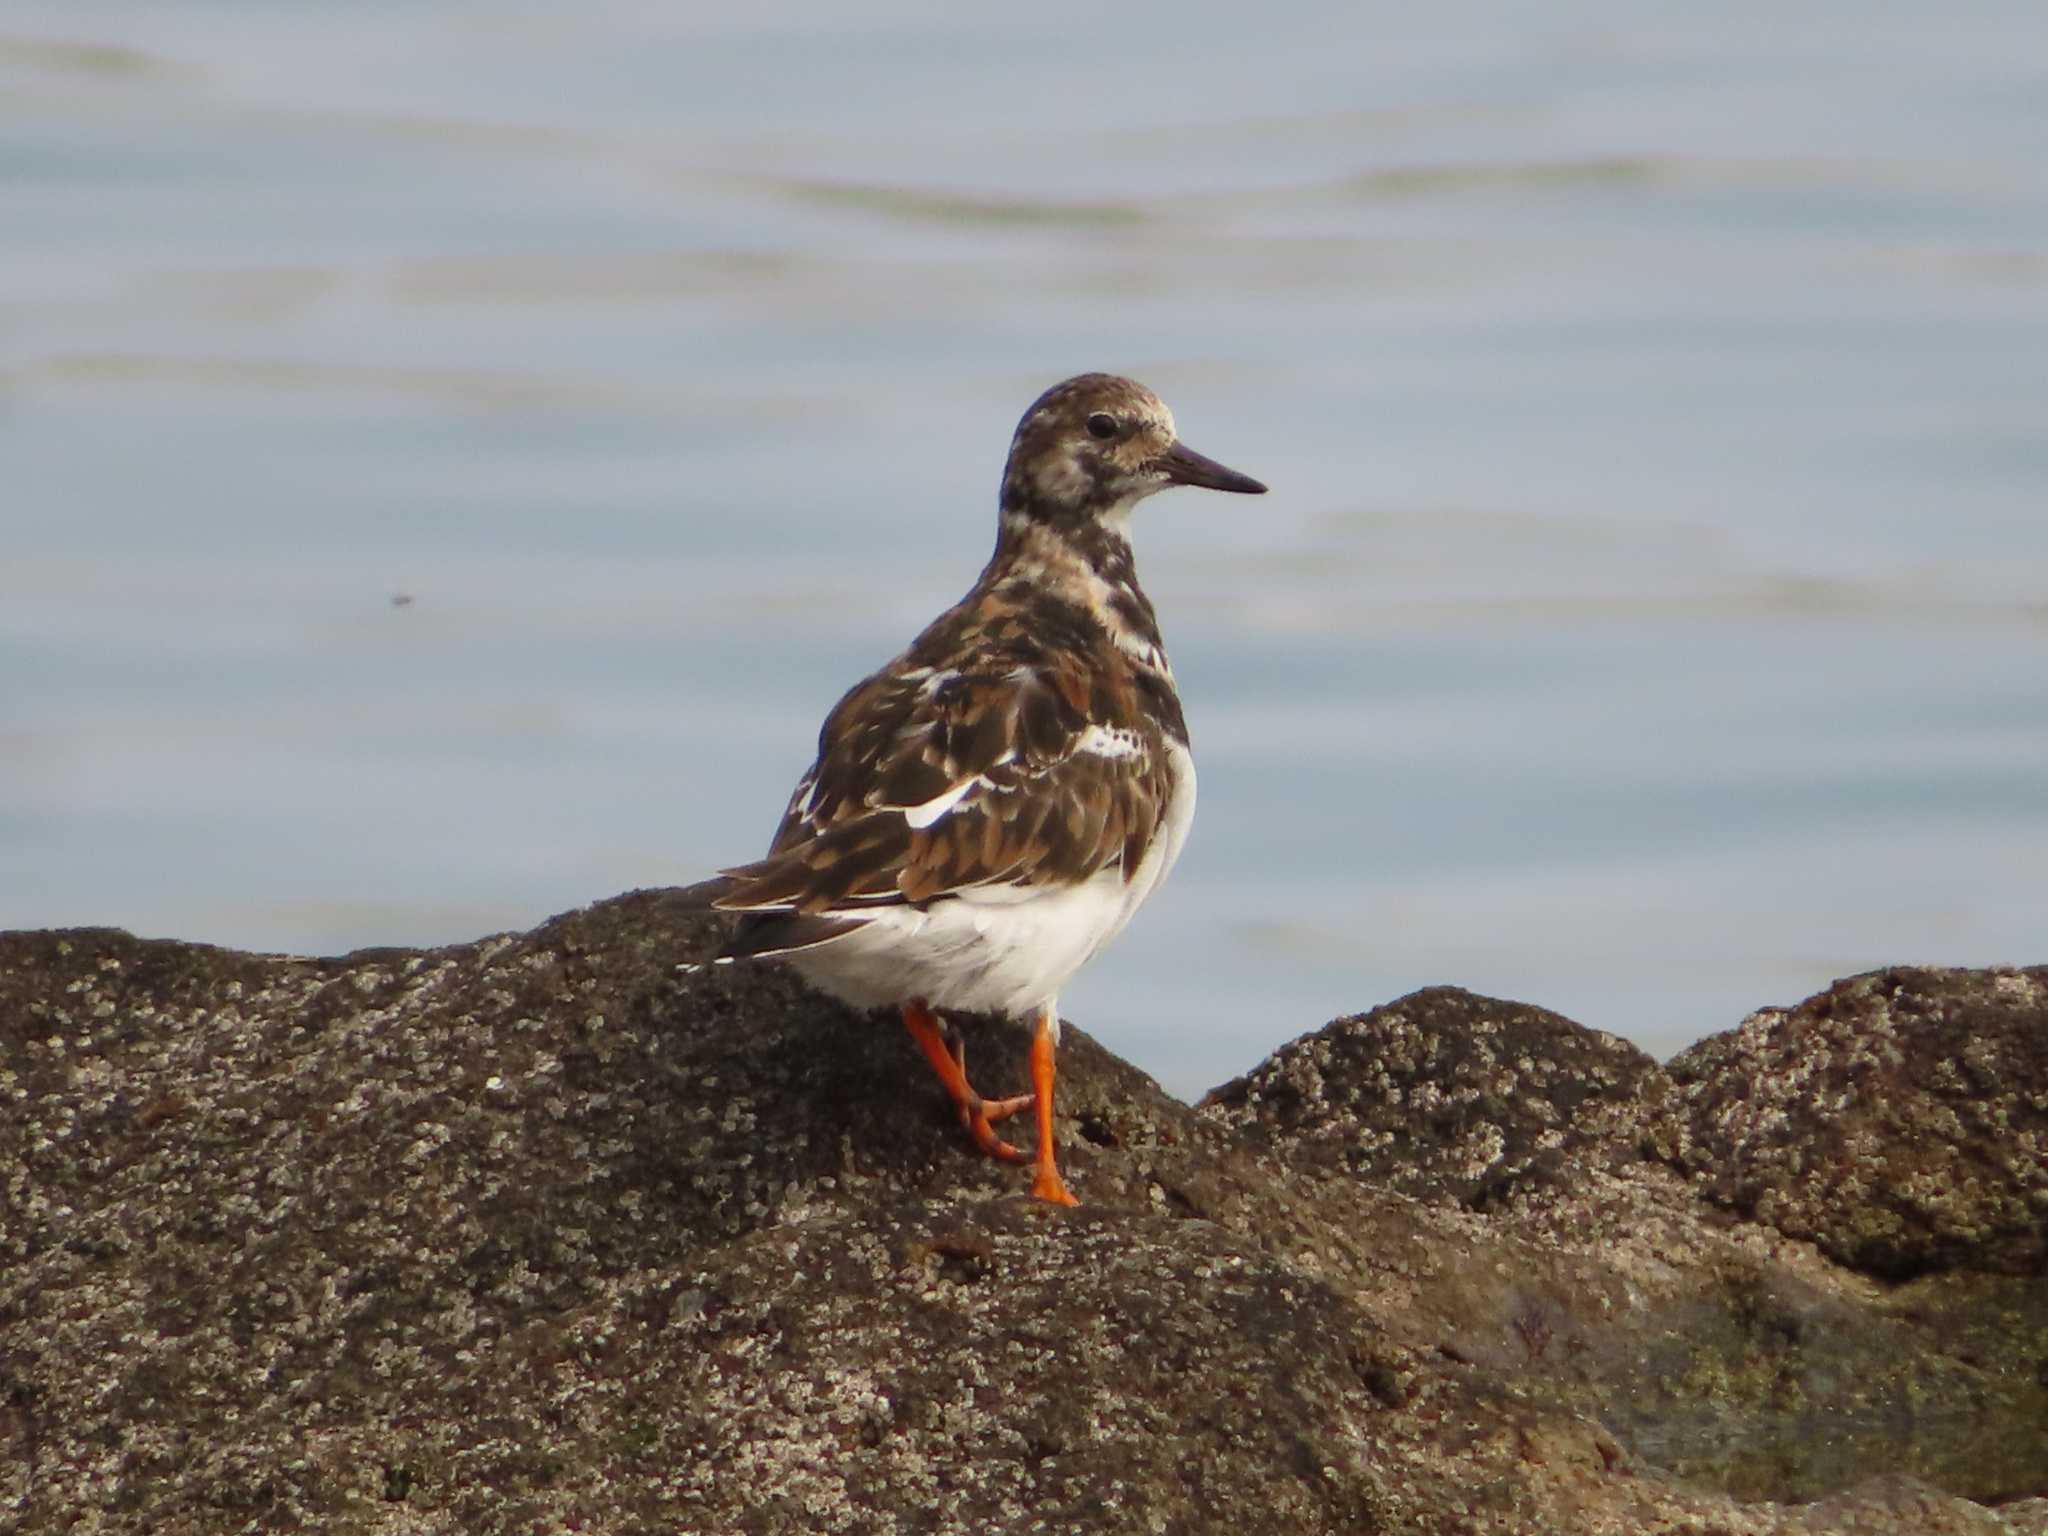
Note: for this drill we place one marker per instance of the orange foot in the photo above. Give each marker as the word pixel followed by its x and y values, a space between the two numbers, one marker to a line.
pixel 979 1115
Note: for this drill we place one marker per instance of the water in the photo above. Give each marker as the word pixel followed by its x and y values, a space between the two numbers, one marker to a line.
pixel 453 455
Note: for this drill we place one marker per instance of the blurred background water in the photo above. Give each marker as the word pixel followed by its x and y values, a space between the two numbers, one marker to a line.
pixel 452 455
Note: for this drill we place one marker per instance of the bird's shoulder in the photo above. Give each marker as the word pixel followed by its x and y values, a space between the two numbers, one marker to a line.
pixel 1003 690
pixel 1012 742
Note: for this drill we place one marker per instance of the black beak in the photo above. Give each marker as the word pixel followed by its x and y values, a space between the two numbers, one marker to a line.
pixel 1184 466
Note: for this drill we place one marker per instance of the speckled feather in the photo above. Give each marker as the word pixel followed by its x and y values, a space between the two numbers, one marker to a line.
pixel 1014 723
pixel 1030 740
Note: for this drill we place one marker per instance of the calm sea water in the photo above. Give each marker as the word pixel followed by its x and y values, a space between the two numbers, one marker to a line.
pixel 452 455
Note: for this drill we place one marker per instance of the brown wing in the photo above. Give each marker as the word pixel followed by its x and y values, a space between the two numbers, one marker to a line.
pixel 931 780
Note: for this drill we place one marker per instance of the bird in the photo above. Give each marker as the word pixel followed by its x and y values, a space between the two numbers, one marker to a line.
pixel 988 810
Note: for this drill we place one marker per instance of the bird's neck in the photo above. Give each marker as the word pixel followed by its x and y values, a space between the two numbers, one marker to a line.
pixel 1089 564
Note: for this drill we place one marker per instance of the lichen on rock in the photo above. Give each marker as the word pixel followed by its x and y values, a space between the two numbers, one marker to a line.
pixel 540 1234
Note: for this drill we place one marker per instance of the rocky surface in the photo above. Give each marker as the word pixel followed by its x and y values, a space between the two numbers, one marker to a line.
pixel 1452 1097
pixel 538 1235
pixel 1899 1120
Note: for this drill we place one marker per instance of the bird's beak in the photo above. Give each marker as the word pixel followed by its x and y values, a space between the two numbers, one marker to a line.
pixel 1184 466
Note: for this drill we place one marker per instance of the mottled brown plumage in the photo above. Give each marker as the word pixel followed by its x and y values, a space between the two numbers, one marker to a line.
pixel 989 809
pixel 981 699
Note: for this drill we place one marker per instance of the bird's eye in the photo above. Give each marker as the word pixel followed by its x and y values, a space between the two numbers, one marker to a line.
pixel 1102 426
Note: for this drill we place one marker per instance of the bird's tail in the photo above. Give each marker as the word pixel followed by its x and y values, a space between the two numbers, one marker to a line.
pixel 760 935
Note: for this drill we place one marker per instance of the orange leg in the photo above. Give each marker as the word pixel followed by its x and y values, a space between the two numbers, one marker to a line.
pixel 1046 1182
pixel 991 1109
pixel 976 1113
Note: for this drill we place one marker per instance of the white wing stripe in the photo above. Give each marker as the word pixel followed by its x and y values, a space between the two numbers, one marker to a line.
pixel 1110 742
pixel 921 816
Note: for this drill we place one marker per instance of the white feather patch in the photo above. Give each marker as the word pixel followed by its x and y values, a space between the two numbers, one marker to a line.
pixel 1141 650
pixel 999 948
pixel 1110 742
pixel 922 816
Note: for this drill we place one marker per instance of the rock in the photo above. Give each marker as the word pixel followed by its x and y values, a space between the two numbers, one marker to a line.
pixel 1445 1094
pixel 1713 1347
pixel 1899 1120
pixel 535 1234
pixel 1900 1503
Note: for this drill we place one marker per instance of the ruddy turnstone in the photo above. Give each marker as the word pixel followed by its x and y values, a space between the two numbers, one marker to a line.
pixel 989 809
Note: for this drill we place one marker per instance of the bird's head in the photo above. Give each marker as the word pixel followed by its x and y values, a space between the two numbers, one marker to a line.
pixel 1092 448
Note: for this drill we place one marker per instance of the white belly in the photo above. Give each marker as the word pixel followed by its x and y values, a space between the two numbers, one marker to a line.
pixel 997 949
